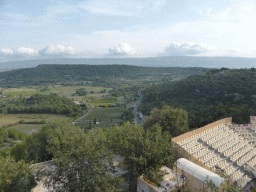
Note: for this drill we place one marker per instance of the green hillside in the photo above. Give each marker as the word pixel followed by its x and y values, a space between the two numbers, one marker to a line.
pixel 62 73
pixel 208 97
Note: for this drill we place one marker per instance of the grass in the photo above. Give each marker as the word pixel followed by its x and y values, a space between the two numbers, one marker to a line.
pixel 27 128
pixel 63 91
pixel 14 118
pixel 69 90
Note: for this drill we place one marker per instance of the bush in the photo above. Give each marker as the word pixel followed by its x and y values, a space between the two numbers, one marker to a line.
pixel 43 122
pixel 15 134
pixel 1 140
pixel 22 121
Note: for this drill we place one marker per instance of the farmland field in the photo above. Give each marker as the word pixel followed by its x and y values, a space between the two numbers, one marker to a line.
pixel 105 117
pixel 63 91
pixel 103 114
pixel 27 128
pixel 69 90
pixel 14 118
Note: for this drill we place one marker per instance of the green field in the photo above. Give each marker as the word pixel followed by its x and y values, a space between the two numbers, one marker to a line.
pixel 69 90
pixel 63 91
pixel 104 114
pixel 105 117
pixel 27 128
pixel 14 118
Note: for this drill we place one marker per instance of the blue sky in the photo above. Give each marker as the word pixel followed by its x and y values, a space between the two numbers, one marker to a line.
pixel 32 29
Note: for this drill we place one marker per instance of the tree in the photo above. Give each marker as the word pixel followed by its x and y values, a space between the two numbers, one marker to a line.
pixel 171 119
pixel 144 152
pixel 82 160
pixel 22 121
pixel 15 176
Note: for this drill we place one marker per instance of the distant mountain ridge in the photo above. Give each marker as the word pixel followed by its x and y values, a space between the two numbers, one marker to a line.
pixel 53 73
pixel 173 61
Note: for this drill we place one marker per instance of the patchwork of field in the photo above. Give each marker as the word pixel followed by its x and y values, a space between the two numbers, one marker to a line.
pixel 66 91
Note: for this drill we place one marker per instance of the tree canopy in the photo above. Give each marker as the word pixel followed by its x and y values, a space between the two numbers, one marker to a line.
pixel 171 119
pixel 15 176
pixel 82 161
pixel 144 152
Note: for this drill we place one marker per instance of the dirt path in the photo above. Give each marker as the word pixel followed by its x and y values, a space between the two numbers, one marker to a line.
pixel 83 116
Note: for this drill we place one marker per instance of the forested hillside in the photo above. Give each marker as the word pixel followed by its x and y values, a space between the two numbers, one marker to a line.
pixel 60 73
pixel 208 97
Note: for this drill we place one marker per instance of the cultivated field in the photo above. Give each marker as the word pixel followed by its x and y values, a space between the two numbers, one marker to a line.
pixel 27 128
pixel 63 91
pixel 14 118
pixel 103 114
pixel 105 117
pixel 69 90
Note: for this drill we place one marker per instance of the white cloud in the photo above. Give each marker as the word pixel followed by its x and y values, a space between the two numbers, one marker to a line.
pixel 6 52
pixel 187 48
pixel 25 51
pixel 58 50
pixel 20 52
pixel 121 50
pixel 122 8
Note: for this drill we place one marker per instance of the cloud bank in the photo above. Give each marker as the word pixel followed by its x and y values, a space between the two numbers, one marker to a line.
pixel 6 52
pixel 26 51
pixel 122 50
pixel 20 52
pixel 187 48
pixel 58 50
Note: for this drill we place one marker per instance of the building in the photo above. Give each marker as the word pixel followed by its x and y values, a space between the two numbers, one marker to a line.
pixel 197 176
pixel 170 182
pixel 218 145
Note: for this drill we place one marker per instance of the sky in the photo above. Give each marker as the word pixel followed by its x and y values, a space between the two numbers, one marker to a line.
pixel 32 29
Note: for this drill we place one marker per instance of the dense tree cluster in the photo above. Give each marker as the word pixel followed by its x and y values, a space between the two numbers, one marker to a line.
pixel 207 97
pixel 81 92
pixel 38 103
pixel 174 121
pixel 13 134
pixel 15 176
pixel 127 115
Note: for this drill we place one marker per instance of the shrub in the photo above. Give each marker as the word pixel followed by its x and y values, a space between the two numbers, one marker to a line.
pixel 22 121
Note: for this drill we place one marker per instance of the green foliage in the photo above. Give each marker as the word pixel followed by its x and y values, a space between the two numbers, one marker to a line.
pixel 127 115
pixel 4 134
pixel 81 92
pixel 38 103
pixel 15 176
pixel 43 122
pixel 81 160
pixel 49 74
pixel 143 151
pixel 22 121
pixel 103 101
pixel 207 97
pixel 16 134
pixel 19 151
pixel 1 140
pixel 170 119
